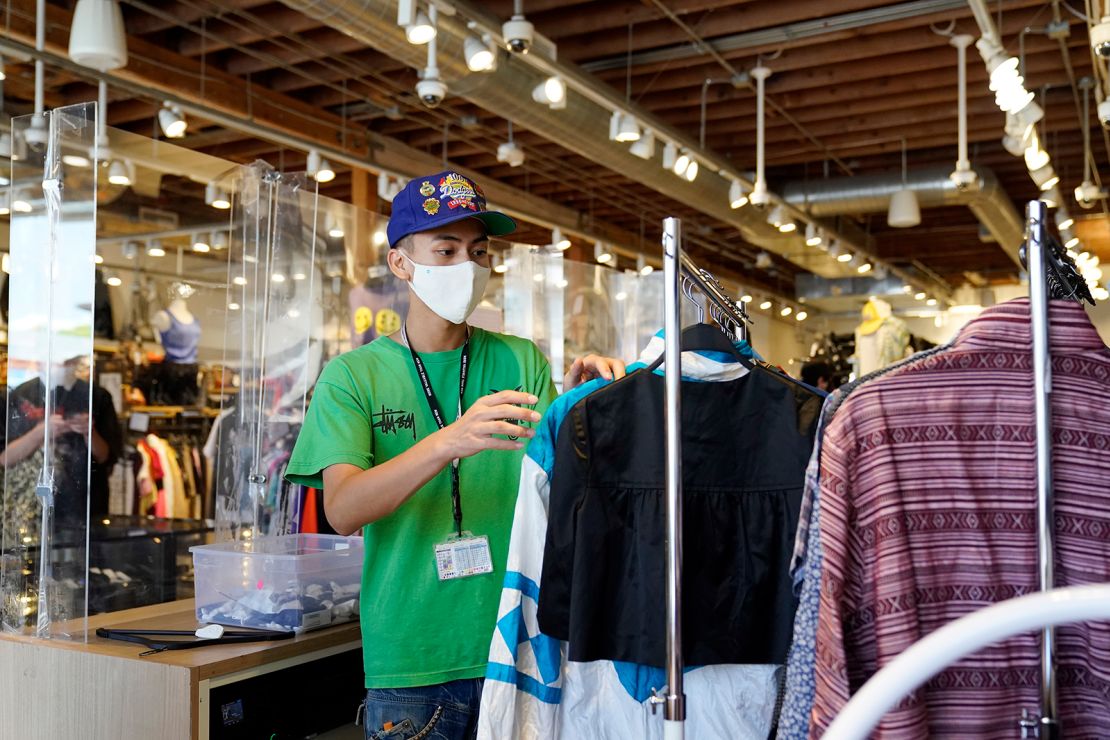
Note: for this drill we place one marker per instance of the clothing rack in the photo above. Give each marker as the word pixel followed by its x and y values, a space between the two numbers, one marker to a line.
pixel 1045 724
pixel 676 267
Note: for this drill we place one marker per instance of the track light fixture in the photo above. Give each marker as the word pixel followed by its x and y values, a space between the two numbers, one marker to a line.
pixel 788 227
pixel 643 267
pixel 1045 177
pixel 737 198
pixel 919 296
pixel 119 173
pixel 670 155
pixel 691 173
pixel 335 227
pixel 602 253
pixel 645 147
pixel 479 55
pixel 864 267
pixel 558 241
pixel 777 216
pixel 172 121
pixel 216 197
pixel 420 31
pixel 801 316
pixel 155 249
pixel 786 311
pixel 682 163
pixel 1064 220
pixel 200 244
pixel 746 298
pixel 552 92
pixel 813 235
pixel 844 257
pixel 318 168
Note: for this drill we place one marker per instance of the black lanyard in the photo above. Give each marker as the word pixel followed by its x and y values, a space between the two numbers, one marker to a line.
pixel 437 413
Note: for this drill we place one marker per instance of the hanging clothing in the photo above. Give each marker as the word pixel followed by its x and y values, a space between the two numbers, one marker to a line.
pixel 805 568
pixel 927 514
pixel 881 338
pixel 744 458
pixel 531 689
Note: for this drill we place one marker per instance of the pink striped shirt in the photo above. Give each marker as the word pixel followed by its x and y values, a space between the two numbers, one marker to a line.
pixel 928 489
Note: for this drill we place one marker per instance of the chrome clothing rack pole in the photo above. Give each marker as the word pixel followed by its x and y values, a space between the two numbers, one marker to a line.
pixel 674 708
pixel 1047 725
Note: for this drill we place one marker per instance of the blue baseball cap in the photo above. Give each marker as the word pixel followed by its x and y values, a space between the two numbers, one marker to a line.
pixel 437 200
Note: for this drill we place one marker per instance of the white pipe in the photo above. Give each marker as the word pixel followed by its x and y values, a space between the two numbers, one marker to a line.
pixel 40 45
pixel 961 43
pixel 959 639
pixel 432 72
pixel 102 114
pixel 759 190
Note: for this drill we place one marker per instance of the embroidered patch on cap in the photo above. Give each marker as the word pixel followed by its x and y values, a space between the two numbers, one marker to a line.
pixel 460 193
pixel 431 206
pixel 427 189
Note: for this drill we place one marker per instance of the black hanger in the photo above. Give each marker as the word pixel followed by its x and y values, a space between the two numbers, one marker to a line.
pixel 142 637
pixel 1064 281
pixel 706 337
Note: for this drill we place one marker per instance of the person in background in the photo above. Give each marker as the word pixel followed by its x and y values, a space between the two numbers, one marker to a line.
pixel 417 439
pixel 817 375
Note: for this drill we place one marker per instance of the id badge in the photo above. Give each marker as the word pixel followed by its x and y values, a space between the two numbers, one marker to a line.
pixel 462 556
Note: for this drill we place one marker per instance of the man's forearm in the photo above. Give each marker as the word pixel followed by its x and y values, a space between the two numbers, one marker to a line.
pixel 21 448
pixel 353 498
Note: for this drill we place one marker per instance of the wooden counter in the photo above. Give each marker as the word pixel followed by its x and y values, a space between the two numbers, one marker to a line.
pixel 52 689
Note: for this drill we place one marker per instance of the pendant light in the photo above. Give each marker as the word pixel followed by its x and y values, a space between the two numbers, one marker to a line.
pixel 318 167
pixel 119 173
pixel 963 176
pixel 904 211
pixel 558 241
pixel 97 37
pixel 759 195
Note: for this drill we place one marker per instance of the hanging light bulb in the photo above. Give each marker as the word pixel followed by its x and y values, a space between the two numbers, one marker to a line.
pixel 479 55
pixel 737 198
pixel 904 211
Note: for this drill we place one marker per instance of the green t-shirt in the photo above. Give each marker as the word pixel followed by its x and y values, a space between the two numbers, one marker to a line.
pixel 369 407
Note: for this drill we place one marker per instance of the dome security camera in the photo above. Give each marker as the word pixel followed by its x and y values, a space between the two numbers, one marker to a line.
pixel 1100 38
pixel 431 91
pixel 1104 113
pixel 518 33
pixel 1088 194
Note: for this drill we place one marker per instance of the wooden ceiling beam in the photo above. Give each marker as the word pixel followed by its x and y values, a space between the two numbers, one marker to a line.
pixel 833 41
pixel 276 22
pixel 140 23
pixel 559 23
pixel 739 19
pixel 324 43
pixel 920 41
pixel 364 59
pixel 833 76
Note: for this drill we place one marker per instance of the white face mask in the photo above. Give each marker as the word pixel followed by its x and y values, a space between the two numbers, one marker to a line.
pixel 451 292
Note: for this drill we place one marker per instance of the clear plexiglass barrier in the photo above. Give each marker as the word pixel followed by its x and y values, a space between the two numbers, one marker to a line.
pixel 571 309
pixel 49 432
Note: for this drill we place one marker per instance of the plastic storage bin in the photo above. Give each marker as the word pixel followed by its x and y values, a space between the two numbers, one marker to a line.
pixel 292 582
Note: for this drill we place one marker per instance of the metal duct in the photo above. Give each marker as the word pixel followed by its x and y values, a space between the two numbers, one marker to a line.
pixel 581 127
pixel 934 189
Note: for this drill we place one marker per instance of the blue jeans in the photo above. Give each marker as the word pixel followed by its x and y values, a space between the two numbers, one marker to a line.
pixel 446 711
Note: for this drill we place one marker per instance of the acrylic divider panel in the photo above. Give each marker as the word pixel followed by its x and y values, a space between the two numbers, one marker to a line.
pixel 572 309
pixel 309 280
pixel 47 457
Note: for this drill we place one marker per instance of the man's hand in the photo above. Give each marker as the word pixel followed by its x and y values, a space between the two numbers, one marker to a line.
pixel 489 416
pixel 593 366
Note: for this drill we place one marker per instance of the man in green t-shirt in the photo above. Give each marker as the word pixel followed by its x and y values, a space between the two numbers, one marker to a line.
pixel 418 438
